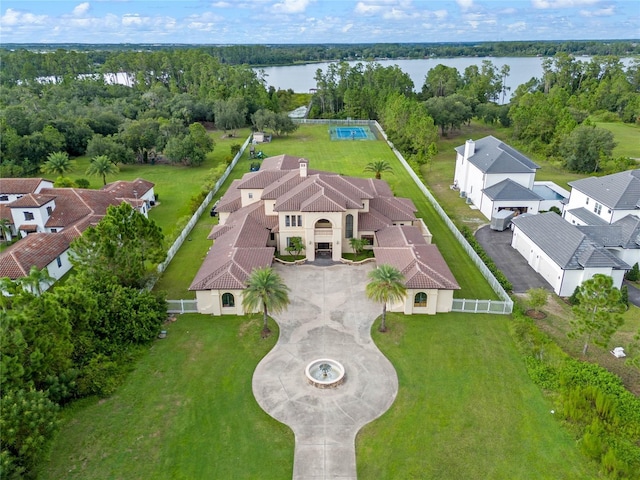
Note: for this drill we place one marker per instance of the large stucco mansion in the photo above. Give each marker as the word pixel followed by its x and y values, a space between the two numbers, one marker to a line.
pixel 262 212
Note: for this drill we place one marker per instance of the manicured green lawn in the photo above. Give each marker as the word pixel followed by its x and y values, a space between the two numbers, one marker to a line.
pixel 627 137
pixel 466 408
pixel 174 184
pixel 187 411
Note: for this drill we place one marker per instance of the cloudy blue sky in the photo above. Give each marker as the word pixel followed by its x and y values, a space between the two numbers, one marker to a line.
pixel 314 21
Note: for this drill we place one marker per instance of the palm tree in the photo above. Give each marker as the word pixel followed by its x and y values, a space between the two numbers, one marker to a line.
pixel 265 289
pixel 386 285
pixel 102 166
pixel 378 167
pixel 357 245
pixel 36 279
pixel 58 163
pixel 5 229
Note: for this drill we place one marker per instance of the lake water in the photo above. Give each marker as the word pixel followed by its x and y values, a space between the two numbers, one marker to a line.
pixel 300 78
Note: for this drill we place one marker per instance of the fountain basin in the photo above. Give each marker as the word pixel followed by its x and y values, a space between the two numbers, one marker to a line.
pixel 325 373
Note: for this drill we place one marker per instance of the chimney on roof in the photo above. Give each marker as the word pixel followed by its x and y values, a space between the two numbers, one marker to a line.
pixel 469 149
pixel 304 163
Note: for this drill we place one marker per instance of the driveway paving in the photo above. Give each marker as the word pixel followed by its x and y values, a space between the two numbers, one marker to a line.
pixel 509 261
pixel 329 317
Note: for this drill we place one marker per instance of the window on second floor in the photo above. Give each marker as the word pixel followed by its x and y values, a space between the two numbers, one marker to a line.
pixel 49 211
pixel 348 226
pixel 28 216
pixel 287 220
pixel 4 198
pixel 597 208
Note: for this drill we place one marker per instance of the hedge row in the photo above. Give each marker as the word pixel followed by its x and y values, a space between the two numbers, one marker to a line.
pixel 604 415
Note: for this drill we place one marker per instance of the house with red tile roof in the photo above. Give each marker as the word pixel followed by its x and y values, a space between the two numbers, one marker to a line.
pixel 49 219
pixel 263 211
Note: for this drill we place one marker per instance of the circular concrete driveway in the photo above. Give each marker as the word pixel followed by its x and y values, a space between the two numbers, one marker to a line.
pixel 509 261
pixel 329 317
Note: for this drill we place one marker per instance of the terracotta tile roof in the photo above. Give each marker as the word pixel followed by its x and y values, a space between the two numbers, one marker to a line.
pixel 255 211
pixel 372 221
pixel 32 200
pixel 16 186
pixel 281 162
pixel 394 208
pixel 421 264
pixel 282 185
pixel 231 200
pixel 36 249
pixel 260 179
pixel 124 189
pixel 5 212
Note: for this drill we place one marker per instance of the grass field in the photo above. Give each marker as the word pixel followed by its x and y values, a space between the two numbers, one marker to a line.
pixel 627 137
pixel 186 412
pixel 466 408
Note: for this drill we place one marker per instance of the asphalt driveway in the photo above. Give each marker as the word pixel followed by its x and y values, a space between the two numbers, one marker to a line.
pixel 509 261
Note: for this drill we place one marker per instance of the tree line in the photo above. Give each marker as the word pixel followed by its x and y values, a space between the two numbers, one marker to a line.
pixel 44 59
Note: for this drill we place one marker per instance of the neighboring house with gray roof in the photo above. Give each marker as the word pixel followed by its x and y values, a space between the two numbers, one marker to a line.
pixel 261 213
pixel 604 200
pixel 566 255
pixel 493 176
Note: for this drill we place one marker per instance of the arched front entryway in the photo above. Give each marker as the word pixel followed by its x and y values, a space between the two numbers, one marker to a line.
pixel 323 238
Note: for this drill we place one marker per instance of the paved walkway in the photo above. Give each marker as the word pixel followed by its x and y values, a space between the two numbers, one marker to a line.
pixel 329 317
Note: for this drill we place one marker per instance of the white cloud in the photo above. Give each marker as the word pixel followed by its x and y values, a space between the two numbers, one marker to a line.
pixel 473 23
pixel 15 18
pixel 363 8
pixel 465 4
pixel 81 9
pixel 440 14
pixel 599 12
pixel 517 27
pixel 132 19
pixel 346 28
pixel 544 4
pixel 291 6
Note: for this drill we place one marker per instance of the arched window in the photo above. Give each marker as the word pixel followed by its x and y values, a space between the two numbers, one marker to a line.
pixel 420 300
pixel 228 300
pixel 349 226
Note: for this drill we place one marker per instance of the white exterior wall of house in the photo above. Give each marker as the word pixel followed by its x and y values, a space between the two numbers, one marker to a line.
pixel 574 278
pixel 538 260
pixel 627 255
pixel 250 195
pixel 40 217
pixel 579 199
pixel 489 208
pixel 563 282
pixel 524 179
pixel 210 302
pixel 60 265
pixel 438 301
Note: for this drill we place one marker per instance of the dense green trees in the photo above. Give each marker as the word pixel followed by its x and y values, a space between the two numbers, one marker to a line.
pixel 125 245
pixel 75 339
pixel 585 147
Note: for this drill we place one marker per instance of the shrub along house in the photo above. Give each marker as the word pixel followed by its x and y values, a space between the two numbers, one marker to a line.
pixel 261 213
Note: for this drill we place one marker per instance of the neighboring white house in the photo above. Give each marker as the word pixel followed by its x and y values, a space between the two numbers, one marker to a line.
pixel 566 255
pixel 493 176
pixel 49 219
pixel 604 200
pixel 262 212
pixel 12 189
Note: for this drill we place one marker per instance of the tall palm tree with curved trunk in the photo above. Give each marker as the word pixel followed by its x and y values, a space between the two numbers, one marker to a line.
pixel 102 166
pixel 266 290
pixel 58 163
pixel 378 167
pixel 386 285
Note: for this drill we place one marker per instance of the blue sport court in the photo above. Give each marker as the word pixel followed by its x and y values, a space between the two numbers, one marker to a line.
pixel 351 133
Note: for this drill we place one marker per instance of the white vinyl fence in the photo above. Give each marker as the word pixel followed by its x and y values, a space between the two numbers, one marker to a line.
pixel 182 306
